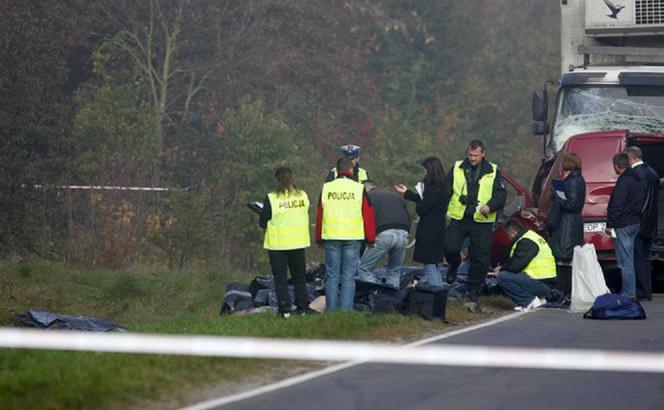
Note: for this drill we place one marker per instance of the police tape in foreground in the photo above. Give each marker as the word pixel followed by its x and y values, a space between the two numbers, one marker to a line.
pixel 316 350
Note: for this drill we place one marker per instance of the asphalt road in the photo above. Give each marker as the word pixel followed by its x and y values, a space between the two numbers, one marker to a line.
pixel 401 387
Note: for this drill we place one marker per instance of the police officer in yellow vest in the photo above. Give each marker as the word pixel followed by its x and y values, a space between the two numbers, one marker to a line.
pixel 285 217
pixel 477 193
pixel 529 276
pixel 345 218
pixel 351 152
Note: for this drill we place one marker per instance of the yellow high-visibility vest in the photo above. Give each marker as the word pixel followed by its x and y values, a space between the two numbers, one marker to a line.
pixel 456 209
pixel 342 210
pixel 543 265
pixel 289 226
pixel 361 174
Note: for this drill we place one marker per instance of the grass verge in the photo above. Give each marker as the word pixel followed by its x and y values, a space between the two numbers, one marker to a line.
pixel 158 302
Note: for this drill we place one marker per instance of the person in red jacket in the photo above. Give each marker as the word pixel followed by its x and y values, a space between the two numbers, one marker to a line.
pixel 345 218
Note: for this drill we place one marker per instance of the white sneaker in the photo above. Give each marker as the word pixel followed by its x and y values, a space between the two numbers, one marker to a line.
pixel 535 303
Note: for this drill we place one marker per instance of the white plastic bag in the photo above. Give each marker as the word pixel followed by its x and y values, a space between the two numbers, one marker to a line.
pixel 587 278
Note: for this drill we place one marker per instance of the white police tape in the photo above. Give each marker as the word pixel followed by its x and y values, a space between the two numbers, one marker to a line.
pixel 114 188
pixel 102 187
pixel 318 350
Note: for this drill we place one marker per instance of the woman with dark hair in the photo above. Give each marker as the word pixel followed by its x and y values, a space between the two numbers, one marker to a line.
pixel 565 222
pixel 285 218
pixel 431 207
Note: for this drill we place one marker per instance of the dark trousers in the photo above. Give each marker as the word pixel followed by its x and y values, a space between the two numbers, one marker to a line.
pixel 294 260
pixel 478 252
pixel 643 267
pixel 564 279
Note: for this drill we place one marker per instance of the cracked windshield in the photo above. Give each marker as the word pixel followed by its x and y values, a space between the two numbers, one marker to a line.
pixel 588 109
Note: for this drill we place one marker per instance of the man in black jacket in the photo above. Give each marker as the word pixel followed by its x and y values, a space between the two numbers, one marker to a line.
pixel 648 226
pixel 529 276
pixel 392 226
pixel 477 194
pixel 623 219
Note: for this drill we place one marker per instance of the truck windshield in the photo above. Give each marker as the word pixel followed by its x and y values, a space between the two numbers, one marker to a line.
pixel 583 109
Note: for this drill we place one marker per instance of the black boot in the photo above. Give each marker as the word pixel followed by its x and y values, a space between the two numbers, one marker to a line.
pixel 555 297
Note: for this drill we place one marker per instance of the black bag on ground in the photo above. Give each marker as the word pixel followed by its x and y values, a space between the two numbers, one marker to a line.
pixel 385 302
pixel 377 298
pixel 427 302
pixel 260 282
pixel 236 298
pixel 48 320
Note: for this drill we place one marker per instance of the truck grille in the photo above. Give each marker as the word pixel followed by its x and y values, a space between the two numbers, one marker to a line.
pixel 649 11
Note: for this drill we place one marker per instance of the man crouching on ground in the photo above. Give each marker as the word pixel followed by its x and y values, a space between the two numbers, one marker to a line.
pixel 529 275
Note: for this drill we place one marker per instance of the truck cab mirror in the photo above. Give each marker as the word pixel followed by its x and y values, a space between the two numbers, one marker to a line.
pixel 540 112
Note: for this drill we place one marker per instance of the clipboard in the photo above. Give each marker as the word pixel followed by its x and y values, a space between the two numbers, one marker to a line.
pixel 255 206
pixel 559 188
pixel 419 187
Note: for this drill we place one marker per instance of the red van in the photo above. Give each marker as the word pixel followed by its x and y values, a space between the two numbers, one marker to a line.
pixel 596 150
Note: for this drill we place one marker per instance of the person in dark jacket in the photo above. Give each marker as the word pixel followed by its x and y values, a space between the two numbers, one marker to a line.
pixel 477 195
pixel 392 225
pixel 565 222
pixel 431 206
pixel 648 226
pixel 623 220
pixel 529 276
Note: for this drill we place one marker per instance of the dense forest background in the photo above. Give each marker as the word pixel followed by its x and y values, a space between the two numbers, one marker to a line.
pixel 207 97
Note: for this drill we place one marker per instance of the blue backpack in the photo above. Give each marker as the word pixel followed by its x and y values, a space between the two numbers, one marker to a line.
pixel 614 306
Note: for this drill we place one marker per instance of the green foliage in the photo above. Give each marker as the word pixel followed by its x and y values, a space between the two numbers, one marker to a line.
pixel 213 96
pixel 255 143
pixel 389 163
pixel 33 120
pixel 184 227
pixel 114 131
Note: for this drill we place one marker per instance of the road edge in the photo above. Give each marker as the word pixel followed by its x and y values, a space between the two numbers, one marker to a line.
pixel 292 381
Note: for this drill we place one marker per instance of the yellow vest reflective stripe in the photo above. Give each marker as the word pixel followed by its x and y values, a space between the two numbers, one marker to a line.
pixel 543 265
pixel 289 226
pixel 456 209
pixel 361 174
pixel 342 210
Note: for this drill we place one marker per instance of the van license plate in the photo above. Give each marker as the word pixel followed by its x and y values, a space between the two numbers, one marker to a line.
pixel 594 227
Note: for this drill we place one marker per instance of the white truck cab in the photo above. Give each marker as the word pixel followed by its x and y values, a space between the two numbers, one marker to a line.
pixel 612 70
pixel 610 96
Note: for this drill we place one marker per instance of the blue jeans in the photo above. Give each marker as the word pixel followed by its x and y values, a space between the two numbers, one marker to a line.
pixel 521 288
pixel 624 245
pixel 392 242
pixel 432 276
pixel 341 259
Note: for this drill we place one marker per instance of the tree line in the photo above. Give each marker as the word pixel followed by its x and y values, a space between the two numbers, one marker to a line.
pixel 209 97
